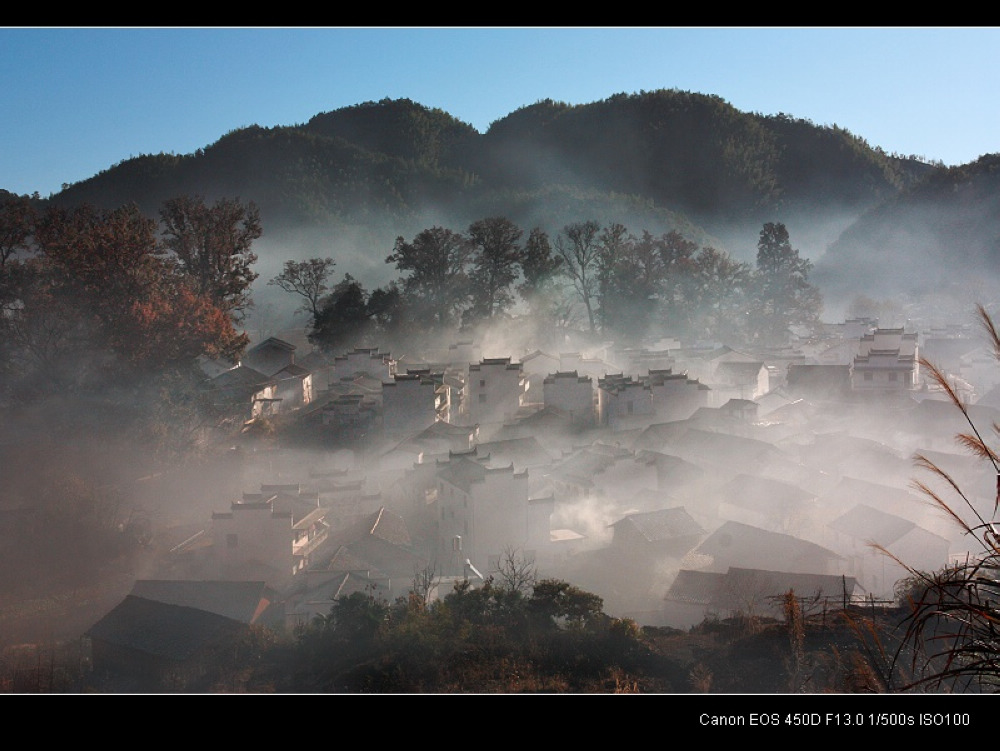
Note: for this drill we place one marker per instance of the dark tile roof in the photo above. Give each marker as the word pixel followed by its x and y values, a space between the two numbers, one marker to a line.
pixel 462 472
pixel 383 524
pixel 242 376
pixel 292 370
pixel 706 446
pixel 854 490
pixel 734 543
pixel 776 583
pixel 867 523
pixel 719 589
pixel 665 524
pixel 171 632
pixel 272 342
pixel 239 600
pixel 524 452
pixel 698 587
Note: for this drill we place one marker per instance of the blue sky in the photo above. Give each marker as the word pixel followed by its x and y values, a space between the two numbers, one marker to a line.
pixel 77 100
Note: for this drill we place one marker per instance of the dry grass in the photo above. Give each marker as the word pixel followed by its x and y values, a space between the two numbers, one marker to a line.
pixel 952 630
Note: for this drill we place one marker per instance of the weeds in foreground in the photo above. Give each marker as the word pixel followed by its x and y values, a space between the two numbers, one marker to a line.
pixel 952 628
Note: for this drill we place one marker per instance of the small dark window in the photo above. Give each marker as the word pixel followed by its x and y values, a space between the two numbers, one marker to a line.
pixel 482 383
pixel 482 398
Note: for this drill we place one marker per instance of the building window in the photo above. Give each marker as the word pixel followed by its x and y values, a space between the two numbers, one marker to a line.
pixel 232 541
pixel 482 398
pixel 482 383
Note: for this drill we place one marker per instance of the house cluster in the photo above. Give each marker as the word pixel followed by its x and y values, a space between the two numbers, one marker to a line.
pixel 677 483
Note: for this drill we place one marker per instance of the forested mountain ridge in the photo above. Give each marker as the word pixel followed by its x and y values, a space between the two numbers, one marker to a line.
pixel 659 161
pixel 396 160
pixel 935 237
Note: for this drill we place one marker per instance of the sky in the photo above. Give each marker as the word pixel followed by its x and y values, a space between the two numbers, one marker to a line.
pixel 77 100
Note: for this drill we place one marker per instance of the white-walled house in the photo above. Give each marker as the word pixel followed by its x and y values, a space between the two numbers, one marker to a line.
pixel 481 511
pixel 740 380
pixel 410 402
pixel 494 391
pixel 675 396
pixel 594 367
pixel 352 414
pixel 537 366
pixel 702 363
pixel 624 403
pixel 573 394
pixel 363 360
pixel 294 387
pixel 253 537
pixel 247 393
pixel 887 360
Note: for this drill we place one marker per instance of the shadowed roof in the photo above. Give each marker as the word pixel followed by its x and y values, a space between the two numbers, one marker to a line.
pixel 239 600
pixel 171 632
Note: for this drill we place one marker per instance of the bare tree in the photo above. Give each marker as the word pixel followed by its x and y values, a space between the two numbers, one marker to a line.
pixel 580 251
pixel 516 571
pixel 425 581
pixel 309 279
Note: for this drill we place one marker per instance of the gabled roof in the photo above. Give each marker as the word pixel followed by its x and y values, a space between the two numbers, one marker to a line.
pixel 462 472
pixel 437 438
pixel 665 524
pixel 272 343
pixel 315 360
pixel 346 560
pixel 697 587
pixel 528 361
pixel 242 376
pixel 691 443
pixel 242 601
pixel 523 452
pixel 864 522
pixel 764 493
pixel 734 542
pixel 383 524
pixel 164 630
pixel 887 496
pixel 780 582
pixel 583 464
pixel 292 370
pixel 720 589
pixel 741 369
pixel 378 543
pixel 675 470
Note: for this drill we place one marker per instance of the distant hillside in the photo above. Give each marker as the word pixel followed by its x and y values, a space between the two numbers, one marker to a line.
pixel 657 160
pixel 938 239
pixel 691 152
